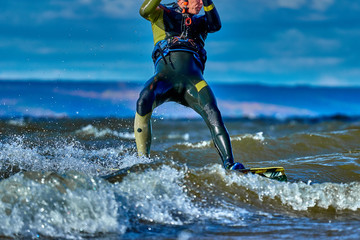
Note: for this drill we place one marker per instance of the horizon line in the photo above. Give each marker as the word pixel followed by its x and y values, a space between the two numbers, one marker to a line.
pixel 70 80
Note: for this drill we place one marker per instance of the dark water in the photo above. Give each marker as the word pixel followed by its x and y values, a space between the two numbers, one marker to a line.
pixel 52 188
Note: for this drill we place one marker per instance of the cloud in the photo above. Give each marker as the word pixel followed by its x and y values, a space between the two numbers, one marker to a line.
pixel 35 46
pixel 275 65
pixel 294 42
pixel 174 110
pixel 256 109
pixel 257 10
pixel 107 39
pixel 331 81
pixel 81 69
pixel 24 11
pixel 85 9
pixel 112 95
pixel 318 5
pixel 40 112
pixel 292 4
pixel 321 5
pixel 8 101
pixel 66 48
pixel 351 73
pixel 121 9
pixel 288 51
pixel 344 78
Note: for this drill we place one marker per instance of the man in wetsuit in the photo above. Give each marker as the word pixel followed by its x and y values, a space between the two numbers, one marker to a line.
pixel 179 57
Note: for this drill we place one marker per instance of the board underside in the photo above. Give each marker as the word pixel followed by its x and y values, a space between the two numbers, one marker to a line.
pixel 276 173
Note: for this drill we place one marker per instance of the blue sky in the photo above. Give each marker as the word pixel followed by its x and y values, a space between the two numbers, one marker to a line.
pixel 290 42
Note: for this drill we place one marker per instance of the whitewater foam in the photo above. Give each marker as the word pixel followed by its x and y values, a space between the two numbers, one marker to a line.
pixel 64 156
pixel 157 196
pixel 202 144
pixel 160 196
pixel 20 122
pixel 66 206
pixel 259 136
pixel 205 144
pixel 185 136
pixel 299 196
pixel 90 130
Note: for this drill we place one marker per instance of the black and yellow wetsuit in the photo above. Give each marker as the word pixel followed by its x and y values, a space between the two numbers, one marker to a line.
pixel 179 57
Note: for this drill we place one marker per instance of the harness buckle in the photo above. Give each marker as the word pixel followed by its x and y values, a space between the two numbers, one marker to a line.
pixel 192 42
pixel 175 40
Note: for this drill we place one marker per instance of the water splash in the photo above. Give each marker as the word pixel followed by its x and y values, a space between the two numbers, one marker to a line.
pixel 63 156
pixel 205 144
pixel 299 196
pixel 90 130
pixel 48 204
pixel 257 136
pixel 162 196
pixel 20 122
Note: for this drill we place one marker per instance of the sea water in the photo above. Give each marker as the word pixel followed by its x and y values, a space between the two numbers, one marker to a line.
pixel 52 187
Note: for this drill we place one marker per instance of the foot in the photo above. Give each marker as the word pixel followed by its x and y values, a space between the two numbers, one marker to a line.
pixel 235 166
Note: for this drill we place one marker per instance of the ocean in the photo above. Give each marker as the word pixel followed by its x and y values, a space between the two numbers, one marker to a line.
pixel 58 140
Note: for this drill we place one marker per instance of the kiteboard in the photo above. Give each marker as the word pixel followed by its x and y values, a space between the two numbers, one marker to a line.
pixel 117 175
pixel 276 173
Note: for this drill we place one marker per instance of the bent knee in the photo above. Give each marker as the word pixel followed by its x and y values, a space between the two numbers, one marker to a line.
pixel 144 103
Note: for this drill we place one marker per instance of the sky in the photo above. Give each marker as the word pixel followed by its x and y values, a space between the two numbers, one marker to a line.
pixel 277 42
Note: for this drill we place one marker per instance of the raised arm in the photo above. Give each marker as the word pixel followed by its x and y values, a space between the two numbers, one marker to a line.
pixel 212 16
pixel 149 9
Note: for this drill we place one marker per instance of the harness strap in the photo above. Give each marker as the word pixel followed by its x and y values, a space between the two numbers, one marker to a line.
pixel 186 21
pixel 176 44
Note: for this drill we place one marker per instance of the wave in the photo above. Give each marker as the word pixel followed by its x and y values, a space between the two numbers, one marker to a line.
pixel 52 182
pixel 185 136
pixel 53 186
pixel 257 136
pixel 205 144
pixel 74 204
pixel 163 192
pixel 90 130
pixel 62 156
pixel 20 122
pixel 300 196
pixel 61 193
pixel 297 145
pixel 211 190
pixel 38 204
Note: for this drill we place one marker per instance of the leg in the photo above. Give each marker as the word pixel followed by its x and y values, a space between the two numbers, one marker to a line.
pixel 142 123
pixel 142 130
pixel 200 98
pixel 150 97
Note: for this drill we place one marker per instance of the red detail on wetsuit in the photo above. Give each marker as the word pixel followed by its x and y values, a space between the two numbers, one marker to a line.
pixel 165 8
pixel 188 21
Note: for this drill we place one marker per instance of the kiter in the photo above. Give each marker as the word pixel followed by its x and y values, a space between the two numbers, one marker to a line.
pixel 179 58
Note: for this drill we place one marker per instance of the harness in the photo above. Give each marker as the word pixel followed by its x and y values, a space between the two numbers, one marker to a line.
pixel 180 43
pixel 186 21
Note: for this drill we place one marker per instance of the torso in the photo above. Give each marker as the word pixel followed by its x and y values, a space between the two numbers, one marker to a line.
pixel 169 24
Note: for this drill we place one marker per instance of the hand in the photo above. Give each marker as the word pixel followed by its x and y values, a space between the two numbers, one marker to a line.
pixel 193 6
